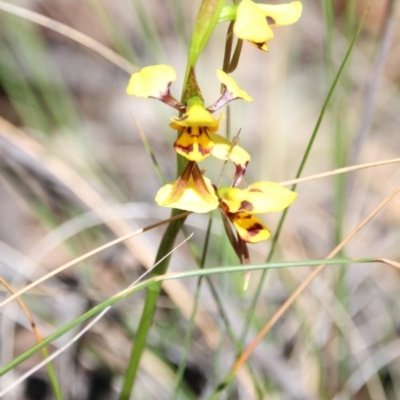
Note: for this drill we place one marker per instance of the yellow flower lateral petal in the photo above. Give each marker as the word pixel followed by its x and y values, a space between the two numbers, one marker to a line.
pixel 282 14
pixel 253 21
pixel 250 228
pixel 152 81
pixel 232 87
pixel 251 24
pixel 261 197
pixel 224 150
pixel 196 115
pixel 194 143
pixel 191 199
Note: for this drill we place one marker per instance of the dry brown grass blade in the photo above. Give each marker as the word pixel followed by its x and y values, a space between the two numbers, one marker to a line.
pixel 25 309
pixel 16 295
pixel 35 331
pixel 177 292
pixel 70 33
pixel 268 326
pixel 340 171
pixel 392 263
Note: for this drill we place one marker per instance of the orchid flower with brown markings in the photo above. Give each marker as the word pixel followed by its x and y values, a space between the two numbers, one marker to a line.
pixel 197 139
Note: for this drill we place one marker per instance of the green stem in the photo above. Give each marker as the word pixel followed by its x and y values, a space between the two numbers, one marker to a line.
pixel 53 377
pixel 153 293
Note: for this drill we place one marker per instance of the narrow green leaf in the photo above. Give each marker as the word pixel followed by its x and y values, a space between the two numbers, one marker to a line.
pixel 153 284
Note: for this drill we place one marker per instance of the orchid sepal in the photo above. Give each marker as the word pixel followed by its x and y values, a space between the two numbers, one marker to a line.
pixel 230 92
pixel 154 82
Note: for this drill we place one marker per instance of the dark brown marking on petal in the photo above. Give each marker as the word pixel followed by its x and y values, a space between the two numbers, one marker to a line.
pixel 203 150
pixel 240 171
pixel 192 131
pixel 255 229
pixel 246 205
pixel 187 149
pixel 271 21
pixel 255 190
pixel 200 130
pixel 260 45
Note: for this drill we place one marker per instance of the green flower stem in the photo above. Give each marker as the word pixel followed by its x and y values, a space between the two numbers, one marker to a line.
pixel 228 13
pixel 156 280
pixel 153 293
pixel 250 314
pixel 53 377
pixel 340 146
pixel 207 18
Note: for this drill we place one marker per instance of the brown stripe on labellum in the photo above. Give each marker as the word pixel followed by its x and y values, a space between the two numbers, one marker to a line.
pixel 193 132
pixel 184 149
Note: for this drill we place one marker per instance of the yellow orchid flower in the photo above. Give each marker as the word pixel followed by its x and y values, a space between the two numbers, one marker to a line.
pixel 240 205
pixel 253 21
pixel 194 142
pixel 190 192
pixel 197 140
pixel 197 123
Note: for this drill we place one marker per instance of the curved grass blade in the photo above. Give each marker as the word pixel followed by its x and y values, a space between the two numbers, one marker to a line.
pixel 155 280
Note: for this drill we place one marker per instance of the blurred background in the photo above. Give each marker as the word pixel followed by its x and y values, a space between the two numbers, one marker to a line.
pixel 74 174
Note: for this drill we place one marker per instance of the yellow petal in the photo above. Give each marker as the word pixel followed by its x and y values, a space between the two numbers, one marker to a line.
pixel 194 143
pixel 224 150
pixel 232 87
pixel 196 115
pixel 250 228
pixel 251 24
pixel 282 14
pixel 261 197
pixel 151 81
pixel 191 199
